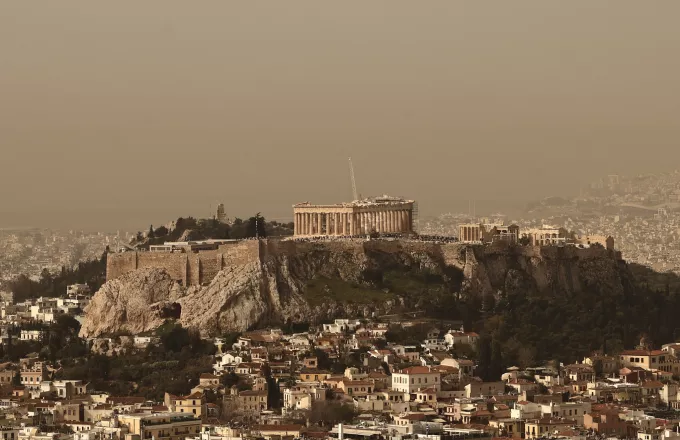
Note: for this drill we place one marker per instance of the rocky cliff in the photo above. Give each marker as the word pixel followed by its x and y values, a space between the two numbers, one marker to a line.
pixel 288 282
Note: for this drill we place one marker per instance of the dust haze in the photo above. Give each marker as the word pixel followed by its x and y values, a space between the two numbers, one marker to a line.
pixel 120 114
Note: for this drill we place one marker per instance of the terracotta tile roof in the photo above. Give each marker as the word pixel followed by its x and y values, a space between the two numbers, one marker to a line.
pixel 277 428
pixel 413 416
pixel 642 352
pixel 252 393
pixel 208 376
pixel 416 370
pixel 126 400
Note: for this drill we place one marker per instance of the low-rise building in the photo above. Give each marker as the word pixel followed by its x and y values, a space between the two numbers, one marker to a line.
pixel 410 380
pixel 253 401
pixel 169 425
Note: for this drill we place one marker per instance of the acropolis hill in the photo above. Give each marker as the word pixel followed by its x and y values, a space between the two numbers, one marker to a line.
pixel 263 282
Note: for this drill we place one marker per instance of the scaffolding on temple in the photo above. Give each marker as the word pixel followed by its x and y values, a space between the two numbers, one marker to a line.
pixel 415 223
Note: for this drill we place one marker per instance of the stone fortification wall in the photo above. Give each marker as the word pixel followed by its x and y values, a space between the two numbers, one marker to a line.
pixel 193 269
pixel 190 269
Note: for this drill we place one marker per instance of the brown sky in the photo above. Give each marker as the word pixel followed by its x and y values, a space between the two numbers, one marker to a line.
pixel 123 113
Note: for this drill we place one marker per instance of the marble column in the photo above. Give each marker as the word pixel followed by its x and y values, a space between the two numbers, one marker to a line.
pixel 393 222
pixel 350 220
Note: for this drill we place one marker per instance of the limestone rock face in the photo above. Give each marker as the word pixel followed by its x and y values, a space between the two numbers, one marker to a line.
pixel 274 287
pixel 136 302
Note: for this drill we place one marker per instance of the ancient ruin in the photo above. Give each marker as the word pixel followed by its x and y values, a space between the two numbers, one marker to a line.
pixel 384 215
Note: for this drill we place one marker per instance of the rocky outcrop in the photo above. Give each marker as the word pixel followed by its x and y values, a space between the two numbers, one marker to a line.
pixel 274 288
pixel 136 302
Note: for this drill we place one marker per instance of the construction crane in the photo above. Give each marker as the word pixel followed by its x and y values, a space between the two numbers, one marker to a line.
pixel 354 184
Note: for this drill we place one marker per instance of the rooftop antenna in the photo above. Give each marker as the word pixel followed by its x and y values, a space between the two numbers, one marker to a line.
pixel 354 184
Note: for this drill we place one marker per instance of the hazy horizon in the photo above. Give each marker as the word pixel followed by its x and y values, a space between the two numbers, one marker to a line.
pixel 118 115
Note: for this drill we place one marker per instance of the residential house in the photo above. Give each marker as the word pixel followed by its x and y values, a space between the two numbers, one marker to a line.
pixel 269 432
pixel 194 404
pixel 545 427
pixel 567 410
pixel 466 367
pixel 647 359
pixel 606 422
pixel 167 426
pixel 410 380
pixel 477 389
pixel 253 401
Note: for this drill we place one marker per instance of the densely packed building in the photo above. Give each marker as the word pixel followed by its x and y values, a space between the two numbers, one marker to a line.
pixel 350 379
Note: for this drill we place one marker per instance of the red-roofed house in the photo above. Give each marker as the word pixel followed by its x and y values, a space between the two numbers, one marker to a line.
pixel 647 359
pixel 409 380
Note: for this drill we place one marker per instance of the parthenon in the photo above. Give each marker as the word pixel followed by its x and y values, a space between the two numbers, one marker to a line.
pixel 382 214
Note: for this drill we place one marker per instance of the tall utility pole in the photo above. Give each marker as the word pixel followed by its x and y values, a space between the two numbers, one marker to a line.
pixel 354 184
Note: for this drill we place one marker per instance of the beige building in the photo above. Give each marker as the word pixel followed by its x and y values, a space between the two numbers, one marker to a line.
pixel 409 380
pixel 253 401
pixel 487 233
pixel 194 404
pixel 6 376
pixel 384 214
pixel 167 426
pixel 647 359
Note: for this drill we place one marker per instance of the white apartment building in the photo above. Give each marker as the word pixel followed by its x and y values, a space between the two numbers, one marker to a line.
pixel 568 410
pixel 31 335
pixel 410 380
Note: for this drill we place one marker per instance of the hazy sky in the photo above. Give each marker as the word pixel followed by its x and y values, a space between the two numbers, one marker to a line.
pixel 123 113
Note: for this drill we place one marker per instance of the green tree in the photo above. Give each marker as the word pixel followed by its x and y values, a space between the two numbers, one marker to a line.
pixel 256 227
pixel 484 367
